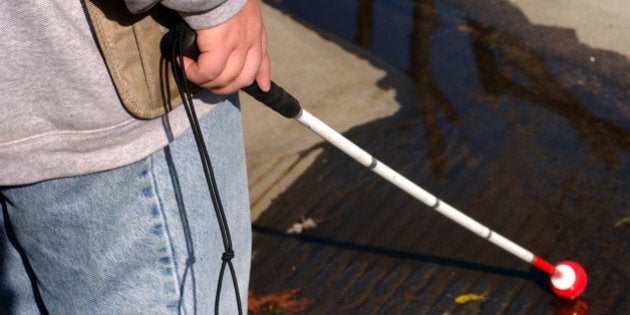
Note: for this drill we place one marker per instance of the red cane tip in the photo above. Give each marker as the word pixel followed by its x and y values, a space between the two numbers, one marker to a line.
pixel 571 282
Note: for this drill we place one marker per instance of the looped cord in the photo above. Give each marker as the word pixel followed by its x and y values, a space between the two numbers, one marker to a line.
pixel 177 52
pixel 190 261
pixel 227 256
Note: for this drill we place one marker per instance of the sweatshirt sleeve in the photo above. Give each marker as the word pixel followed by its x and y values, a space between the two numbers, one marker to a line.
pixel 199 14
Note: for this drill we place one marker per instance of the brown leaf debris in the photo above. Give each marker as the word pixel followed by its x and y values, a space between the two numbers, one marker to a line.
pixel 277 303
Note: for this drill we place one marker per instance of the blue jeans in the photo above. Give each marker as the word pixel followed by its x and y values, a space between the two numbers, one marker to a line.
pixel 118 241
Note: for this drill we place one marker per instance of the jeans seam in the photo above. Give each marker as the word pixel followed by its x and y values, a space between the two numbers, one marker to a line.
pixel 166 232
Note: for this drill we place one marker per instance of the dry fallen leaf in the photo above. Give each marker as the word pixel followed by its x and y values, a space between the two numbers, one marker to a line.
pixel 464 28
pixel 303 225
pixel 282 303
pixel 622 222
pixel 467 298
pixel 410 297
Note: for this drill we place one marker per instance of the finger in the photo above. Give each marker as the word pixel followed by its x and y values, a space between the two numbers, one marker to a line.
pixel 263 78
pixel 208 66
pixel 231 71
pixel 188 63
pixel 257 61
pixel 247 74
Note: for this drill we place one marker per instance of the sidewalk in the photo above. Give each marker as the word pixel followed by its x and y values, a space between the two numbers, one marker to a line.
pixel 588 33
pixel 601 24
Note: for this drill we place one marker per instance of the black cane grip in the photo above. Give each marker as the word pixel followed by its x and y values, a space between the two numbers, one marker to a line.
pixel 276 98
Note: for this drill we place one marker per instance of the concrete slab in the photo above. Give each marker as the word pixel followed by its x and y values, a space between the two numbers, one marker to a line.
pixel 336 82
pixel 585 33
pixel 601 24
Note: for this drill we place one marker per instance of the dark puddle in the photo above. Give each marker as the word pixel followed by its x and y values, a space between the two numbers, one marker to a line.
pixel 533 143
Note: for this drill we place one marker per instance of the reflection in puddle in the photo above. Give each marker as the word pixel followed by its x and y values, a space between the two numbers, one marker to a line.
pixel 430 98
pixel 578 306
pixel 507 68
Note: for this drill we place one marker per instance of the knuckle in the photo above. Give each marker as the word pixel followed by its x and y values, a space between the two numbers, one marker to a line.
pixel 209 73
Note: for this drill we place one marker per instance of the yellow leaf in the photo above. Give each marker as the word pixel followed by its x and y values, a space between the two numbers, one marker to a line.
pixel 471 297
pixel 623 221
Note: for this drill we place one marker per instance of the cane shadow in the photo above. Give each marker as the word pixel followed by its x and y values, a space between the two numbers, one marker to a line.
pixel 532 274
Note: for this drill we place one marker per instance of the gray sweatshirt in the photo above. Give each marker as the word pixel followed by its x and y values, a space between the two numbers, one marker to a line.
pixel 59 112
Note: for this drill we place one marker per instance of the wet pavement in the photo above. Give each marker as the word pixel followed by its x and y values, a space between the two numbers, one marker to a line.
pixel 523 137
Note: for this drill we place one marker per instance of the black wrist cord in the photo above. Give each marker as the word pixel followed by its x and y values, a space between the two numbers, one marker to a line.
pixel 179 40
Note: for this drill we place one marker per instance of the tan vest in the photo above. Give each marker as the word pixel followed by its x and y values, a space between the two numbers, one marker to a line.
pixel 130 45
